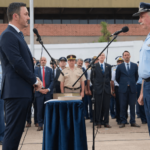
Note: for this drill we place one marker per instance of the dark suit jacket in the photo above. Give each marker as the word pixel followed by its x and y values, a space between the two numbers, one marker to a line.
pixel 17 65
pixel 56 82
pixel 48 80
pixel 99 79
pixel 122 77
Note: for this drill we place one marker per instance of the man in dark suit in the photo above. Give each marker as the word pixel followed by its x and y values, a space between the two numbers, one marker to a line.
pixel 18 77
pixel 45 74
pixel 127 76
pixel 101 85
pixel 62 65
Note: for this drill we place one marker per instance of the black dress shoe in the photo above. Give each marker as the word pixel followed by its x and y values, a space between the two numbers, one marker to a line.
pixel 107 126
pixel 40 129
pixel 127 123
pixel 134 125
pixel 1 143
pixel 122 126
pixel 144 122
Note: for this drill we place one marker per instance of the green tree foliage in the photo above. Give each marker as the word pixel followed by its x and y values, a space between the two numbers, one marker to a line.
pixel 105 33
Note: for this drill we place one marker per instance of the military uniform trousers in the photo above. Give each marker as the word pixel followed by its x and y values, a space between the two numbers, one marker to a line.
pixel 146 97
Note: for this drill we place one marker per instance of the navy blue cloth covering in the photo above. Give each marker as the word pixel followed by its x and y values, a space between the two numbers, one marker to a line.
pixel 64 126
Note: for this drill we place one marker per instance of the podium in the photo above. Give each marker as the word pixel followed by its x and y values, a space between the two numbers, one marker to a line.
pixel 64 126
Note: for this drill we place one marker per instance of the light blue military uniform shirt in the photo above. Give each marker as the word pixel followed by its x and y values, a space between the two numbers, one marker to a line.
pixel 0 76
pixel 139 81
pixel 144 62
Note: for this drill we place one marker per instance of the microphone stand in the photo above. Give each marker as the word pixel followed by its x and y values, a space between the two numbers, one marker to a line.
pixel 93 98
pixel 52 59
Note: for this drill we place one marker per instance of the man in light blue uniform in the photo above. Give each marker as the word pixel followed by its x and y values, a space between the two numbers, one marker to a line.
pixel 144 62
pixel 2 124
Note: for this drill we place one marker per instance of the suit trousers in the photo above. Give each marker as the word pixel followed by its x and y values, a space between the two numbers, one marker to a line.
pixel 41 108
pixel 2 122
pixel 146 97
pixel 127 98
pixel 117 104
pixel 102 108
pixel 16 112
pixel 29 114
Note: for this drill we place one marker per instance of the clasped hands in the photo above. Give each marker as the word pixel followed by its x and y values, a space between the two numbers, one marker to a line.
pixel 39 85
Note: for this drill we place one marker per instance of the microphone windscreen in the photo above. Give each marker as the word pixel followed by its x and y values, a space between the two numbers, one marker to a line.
pixel 35 31
pixel 125 29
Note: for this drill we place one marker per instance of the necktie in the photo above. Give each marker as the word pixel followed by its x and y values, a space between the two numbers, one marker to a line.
pixel 43 77
pixel 102 68
pixel 21 34
pixel 128 72
pixel 128 68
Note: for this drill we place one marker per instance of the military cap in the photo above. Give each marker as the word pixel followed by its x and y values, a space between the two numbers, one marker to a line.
pixel 62 59
pixel 144 7
pixel 87 60
pixel 94 58
pixel 71 57
pixel 119 58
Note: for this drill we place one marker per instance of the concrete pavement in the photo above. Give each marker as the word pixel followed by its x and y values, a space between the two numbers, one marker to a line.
pixel 128 138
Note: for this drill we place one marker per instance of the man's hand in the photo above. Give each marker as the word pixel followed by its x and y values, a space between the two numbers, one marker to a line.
pixel 39 85
pixel 86 92
pixel 90 93
pixel 140 100
pixel 44 91
pixel 82 94
pixel 113 94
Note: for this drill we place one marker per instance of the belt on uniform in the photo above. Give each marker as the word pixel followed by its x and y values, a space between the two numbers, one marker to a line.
pixel 72 88
pixel 147 80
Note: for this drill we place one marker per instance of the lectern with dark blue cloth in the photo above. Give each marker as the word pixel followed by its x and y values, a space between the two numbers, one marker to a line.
pixel 64 126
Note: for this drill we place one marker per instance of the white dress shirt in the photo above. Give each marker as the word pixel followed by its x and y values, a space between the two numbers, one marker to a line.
pixel 14 27
pixel 89 76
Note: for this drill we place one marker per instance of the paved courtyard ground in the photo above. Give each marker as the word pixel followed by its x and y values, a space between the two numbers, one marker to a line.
pixel 128 138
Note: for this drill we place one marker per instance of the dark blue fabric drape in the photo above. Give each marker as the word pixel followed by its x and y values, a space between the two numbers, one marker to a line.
pixel 64 126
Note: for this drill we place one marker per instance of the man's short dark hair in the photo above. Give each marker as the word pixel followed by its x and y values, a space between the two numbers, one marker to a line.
pixel 14 8
pixel 125 52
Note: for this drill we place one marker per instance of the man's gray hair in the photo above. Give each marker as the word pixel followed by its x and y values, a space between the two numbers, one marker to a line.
pixel 80 59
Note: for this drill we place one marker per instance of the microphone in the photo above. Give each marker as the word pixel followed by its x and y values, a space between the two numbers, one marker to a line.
pixel 124 29
pixel 37 34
